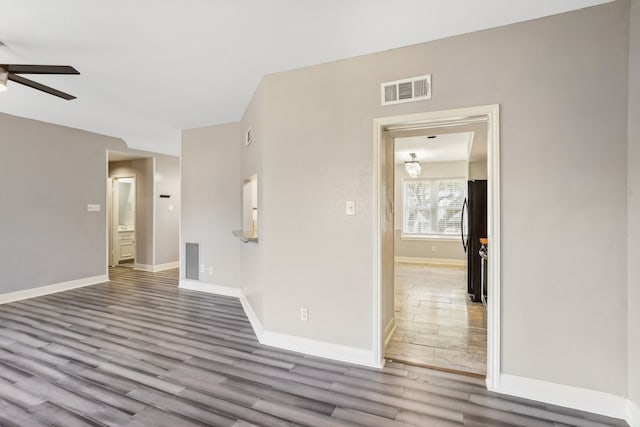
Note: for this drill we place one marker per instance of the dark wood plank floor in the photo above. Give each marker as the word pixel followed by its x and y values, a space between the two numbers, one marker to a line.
pixel 137 351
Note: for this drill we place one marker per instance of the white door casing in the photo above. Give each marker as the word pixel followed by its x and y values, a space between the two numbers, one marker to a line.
pixel 490 114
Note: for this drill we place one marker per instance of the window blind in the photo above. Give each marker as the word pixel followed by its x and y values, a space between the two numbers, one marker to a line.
pixel 433 207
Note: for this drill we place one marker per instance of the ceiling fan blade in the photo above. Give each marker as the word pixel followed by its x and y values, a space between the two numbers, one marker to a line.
pixel 41 87
pixel 42 69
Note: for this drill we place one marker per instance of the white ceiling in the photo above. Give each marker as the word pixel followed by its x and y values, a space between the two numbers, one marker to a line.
pixel 443 148
pixel 153 67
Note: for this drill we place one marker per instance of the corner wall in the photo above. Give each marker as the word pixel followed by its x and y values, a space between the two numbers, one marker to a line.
pixel 318 154
pixel 211 200
pixel 564 304
pixel 167 210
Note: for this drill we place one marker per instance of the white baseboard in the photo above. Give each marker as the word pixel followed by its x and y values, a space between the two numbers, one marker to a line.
pixel 52 289
pixel 156 268
pixel 317 348
pixel 195 285
pixel 166 266
pixel 633 417
pixel 563 395
pixel 389 330
pixel 253 318
pixel 436 261
pixel 284 341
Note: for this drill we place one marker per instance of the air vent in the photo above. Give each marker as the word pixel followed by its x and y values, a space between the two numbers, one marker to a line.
pixel 406 90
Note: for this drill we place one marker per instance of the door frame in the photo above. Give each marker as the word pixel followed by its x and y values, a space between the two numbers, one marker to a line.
pixel 436 119
pixel 113 217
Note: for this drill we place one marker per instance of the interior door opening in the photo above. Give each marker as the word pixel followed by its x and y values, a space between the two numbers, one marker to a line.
pixel 440 320
pixel 123 219
pixel 438 234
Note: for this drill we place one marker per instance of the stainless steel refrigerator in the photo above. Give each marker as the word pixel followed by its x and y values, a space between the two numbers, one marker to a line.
pixel 473 227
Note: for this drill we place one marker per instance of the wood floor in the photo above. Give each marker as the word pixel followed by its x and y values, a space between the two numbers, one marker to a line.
pixel 137 351
pixel 437 324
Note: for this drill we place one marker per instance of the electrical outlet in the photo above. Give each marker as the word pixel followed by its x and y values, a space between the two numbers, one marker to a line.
pixel 304 314
pixel 433 248
pixel 210 270
pixel 201 268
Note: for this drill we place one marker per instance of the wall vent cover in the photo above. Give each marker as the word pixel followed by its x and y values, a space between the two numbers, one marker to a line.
pixel 406 90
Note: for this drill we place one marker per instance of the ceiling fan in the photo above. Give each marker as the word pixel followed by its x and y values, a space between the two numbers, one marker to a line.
pixel 13 72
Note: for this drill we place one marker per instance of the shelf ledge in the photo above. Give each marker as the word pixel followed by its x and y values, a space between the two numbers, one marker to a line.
pixel 244 236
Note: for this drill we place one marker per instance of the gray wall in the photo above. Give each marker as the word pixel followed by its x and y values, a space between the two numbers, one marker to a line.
pixel 211 200
pixel 542 74
pixel 429 248
pixel 167 181
pixel 142 169
pixel 634 205
pixel 253 255
pixel 48 175
pixel 312 151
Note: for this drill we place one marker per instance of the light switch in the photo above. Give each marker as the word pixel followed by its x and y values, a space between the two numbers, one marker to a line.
pixel 93 208
pixel 351 207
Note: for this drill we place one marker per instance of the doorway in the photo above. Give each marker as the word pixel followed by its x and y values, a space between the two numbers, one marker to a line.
pixel 439 321
pixel 123 219
pixel 441 262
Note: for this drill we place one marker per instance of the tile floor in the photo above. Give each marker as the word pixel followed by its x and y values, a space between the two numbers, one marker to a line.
pixel 437 324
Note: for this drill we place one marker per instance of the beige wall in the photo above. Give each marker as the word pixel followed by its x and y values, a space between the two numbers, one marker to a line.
pixel 253 255
pixel 211 200
pixel 541 73
pixel 167 213
pixel 634 206
pixel 312 151
pixel 430 248
pixel 478 170
pixel 48 175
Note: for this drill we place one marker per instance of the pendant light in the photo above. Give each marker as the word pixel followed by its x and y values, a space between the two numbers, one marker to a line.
pixel 412 166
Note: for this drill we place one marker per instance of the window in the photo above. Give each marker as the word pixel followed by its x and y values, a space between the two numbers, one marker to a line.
pixel 432 207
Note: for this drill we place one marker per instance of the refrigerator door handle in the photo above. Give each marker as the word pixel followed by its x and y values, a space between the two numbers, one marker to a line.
pixel 464 243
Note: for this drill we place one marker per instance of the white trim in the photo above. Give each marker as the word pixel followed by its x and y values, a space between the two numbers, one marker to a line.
pixel 284 341
pixel 156 268
pixel 436 261
pixel 435 119
pixel 107 209
pixel 494 331
pixel 153 210
pixel 377 339
pixel 563 395
pixel 52 289
pixel 196 285
pixel 253 318
pixel 181 244
pixel 389 330
pixel 166 266
pixel 633 414
pixel 318 348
